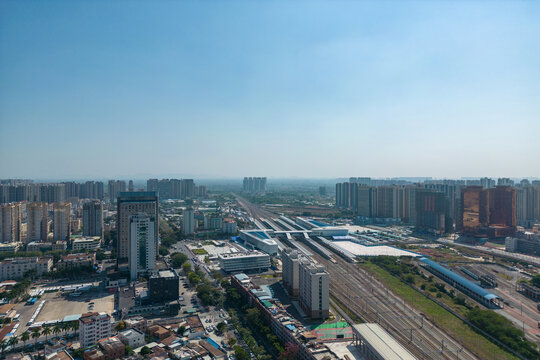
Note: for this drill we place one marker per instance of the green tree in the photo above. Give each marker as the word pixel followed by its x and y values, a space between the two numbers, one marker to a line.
pixel 231 341
pixel 181 330
pixel 186 267
pixel 221 326
pixel 3 345
pixel 145 350
pixel 25 337
pixel 35 334
pixel 536 280
pixel 14 340
pixel 128 351
pixel 178 259
pixel 120 326
pixel 46 331
pixel 241 353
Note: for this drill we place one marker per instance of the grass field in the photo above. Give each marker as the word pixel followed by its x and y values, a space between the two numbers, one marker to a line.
pixel 440 316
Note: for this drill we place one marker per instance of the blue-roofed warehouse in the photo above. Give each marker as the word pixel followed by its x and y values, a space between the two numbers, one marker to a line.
pixel 467 287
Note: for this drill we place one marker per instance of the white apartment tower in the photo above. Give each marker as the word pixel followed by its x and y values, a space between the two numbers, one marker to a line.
pixel 313 289
pixel 290 261
pixel 10 223
pixel 62 221
pixel 142 244
pixel 132 203
pixel 37 226
pixel 94 327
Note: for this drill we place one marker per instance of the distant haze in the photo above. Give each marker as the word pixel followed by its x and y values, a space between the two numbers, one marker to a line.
pixel 209 89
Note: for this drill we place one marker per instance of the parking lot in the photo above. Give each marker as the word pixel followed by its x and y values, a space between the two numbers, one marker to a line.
pixel 57 306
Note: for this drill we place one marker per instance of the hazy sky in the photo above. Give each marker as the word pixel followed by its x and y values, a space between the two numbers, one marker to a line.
pixel 269 88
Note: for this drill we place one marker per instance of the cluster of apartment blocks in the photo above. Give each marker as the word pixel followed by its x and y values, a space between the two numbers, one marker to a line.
pixel 432 204
pixel 38 221
pixel 254 184
pixel 282 324
pixel 176 188
pixel 307 281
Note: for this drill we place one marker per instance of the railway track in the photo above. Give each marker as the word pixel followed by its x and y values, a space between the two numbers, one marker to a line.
pixel 366 297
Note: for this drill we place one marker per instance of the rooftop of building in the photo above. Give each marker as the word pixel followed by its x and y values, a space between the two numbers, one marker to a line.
pixel 243 254
pixel 384 344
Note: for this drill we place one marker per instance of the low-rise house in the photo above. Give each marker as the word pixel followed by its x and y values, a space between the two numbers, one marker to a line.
pixel 158 332
pixel 76 260
pixel 112 348
pixel 138 323
pixel 15 268
pixel 59 355
pixel 132 337
pixel 93 354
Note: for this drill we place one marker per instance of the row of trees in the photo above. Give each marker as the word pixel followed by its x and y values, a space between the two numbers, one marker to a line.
pixel 503 330
pixel 36 333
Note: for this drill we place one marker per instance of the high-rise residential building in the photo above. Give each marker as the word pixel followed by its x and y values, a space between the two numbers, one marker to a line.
pixel 94 327
pixel 431 211
pixel 51 193
pixel 313 289
pixel 188 226
pixel 37 227
pixel 114 187
pixel 387 202
pixel 322 190
pixel 367 202
pixel 307 280
pixel 505 182
pixel 290 260
pixel 61 221
pixel 254 184
pixel 10 223
pixel 487 183
pixel 131 187
pixel 93 218
pixel 142 244
pixel 474 210
pixel 128 204
pixel 488 212
pixel 92 190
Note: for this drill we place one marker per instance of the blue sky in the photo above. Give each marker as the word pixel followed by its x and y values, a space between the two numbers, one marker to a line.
pixel 269 88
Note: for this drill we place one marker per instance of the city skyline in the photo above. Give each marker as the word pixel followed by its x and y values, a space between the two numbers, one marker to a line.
pixel 276 89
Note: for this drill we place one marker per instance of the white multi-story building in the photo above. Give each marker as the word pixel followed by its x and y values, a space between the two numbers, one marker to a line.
pixel 94 327
pixel 313 288
pixel 290 260
pixel 15 268
pixel 86 242
pixel 132 337
pixel 37 226
pixel 93 218
pixel 62 221
pixel 260 240
pixel 188 227
pixel 142 244
pixel 244 261
pixel 128 204
pixel 10 223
